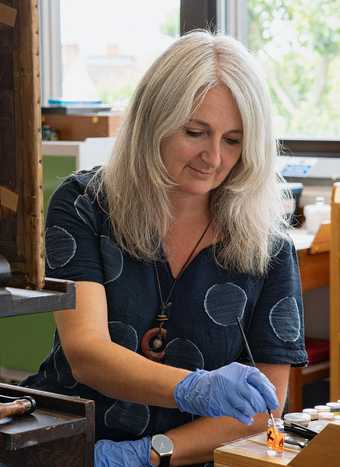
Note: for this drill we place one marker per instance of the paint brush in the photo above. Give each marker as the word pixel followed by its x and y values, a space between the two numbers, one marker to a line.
pixel 253 363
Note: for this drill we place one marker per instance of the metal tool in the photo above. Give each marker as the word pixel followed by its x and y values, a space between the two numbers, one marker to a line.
pixel 245 340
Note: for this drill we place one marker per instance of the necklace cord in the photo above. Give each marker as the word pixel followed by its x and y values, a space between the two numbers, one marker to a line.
pixel 165 304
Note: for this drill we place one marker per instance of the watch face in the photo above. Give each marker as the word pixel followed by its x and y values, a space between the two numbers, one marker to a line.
pixel 162 445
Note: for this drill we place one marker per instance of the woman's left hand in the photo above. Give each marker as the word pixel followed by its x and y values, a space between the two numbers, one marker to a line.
pixel 123 453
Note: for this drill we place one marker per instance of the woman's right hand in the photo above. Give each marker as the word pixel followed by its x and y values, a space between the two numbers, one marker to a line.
pixel 234 390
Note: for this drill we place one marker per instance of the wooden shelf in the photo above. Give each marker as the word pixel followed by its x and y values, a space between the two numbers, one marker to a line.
pixel 57 295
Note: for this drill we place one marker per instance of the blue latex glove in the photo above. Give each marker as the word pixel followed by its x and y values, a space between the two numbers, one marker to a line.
pixel 123 453
pixel 234 390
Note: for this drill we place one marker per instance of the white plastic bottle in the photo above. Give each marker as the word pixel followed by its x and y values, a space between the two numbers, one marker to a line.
pixel 316 213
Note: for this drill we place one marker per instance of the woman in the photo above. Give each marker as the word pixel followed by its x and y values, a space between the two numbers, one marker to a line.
pixel 180 234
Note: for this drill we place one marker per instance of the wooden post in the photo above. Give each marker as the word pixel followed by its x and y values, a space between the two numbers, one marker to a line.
pixel 335 294
pixel 21 233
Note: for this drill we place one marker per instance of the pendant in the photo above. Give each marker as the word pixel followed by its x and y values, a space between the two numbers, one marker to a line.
pixel 152 344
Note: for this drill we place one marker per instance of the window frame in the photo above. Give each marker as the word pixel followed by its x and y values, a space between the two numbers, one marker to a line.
pixel 50 49
pixel 226 16
pixel 311 147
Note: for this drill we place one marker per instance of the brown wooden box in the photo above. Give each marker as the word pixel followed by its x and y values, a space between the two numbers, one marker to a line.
pixel 79 127
pixel 60 433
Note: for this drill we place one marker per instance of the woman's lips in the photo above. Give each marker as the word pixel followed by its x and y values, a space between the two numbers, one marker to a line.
pixel 201 172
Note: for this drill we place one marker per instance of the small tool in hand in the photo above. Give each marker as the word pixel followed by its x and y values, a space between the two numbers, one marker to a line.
pixel 252 362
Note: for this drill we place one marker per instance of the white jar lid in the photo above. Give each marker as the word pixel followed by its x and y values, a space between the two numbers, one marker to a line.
pixel 322 408
pixel 334 405
pixel 297 417
pixel 312 412
pixel 326 416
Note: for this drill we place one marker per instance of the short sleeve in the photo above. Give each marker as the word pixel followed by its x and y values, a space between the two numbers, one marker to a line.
pixel 276 331
pixel 72 240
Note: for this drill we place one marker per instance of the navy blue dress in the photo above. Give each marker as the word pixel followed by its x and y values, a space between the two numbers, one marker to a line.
pixel 202 331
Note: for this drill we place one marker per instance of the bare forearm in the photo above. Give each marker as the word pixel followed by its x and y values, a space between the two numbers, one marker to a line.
pixel 122 374
pixel 195 442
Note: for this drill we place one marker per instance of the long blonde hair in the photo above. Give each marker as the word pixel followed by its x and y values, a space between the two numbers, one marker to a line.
pixel 246 209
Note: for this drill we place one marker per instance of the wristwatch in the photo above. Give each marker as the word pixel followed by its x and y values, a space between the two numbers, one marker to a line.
pixel 164 447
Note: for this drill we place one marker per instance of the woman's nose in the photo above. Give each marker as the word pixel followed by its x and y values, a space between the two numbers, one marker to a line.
pixel 212 155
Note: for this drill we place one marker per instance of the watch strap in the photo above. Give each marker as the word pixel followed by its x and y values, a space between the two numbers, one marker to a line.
pixel 164 461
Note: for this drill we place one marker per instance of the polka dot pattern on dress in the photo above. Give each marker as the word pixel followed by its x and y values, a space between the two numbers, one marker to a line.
pixel 183 353
pixel 60 247
pixel 223 303
pixel 284 319
pixel 128 417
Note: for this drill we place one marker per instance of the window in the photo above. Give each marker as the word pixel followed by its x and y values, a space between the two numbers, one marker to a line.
pixel 107 45
pixel 298 44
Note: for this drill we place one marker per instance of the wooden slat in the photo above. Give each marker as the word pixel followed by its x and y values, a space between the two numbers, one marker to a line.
pixel 323 450
pixel 314 269
pixel 20 148
pixel 28 117
pixel 7 15
pixel 321 241
pixel 8 199
pixel 335 294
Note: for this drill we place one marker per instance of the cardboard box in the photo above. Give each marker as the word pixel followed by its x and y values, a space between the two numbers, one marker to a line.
pixel 322 451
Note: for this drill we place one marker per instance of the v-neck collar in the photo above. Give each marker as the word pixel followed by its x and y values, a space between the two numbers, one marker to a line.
pixel 166 263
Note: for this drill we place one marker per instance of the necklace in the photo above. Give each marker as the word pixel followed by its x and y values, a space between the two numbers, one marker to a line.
pixel 153 341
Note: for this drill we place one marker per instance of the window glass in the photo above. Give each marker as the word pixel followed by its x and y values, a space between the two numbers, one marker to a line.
pixel 107 45
pixel 298 44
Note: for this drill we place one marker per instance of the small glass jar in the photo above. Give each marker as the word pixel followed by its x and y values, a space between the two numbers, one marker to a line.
pixel 275 437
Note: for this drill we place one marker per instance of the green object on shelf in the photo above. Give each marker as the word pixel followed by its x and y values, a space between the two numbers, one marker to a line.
pixel 26 340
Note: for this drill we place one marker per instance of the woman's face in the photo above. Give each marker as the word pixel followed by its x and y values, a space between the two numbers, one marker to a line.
pixel 199 156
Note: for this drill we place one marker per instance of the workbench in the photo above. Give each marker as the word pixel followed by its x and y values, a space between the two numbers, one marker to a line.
pixel 322 451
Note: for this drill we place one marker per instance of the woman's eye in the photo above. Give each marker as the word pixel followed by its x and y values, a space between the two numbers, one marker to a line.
pixel 193 133
pixel 232 141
